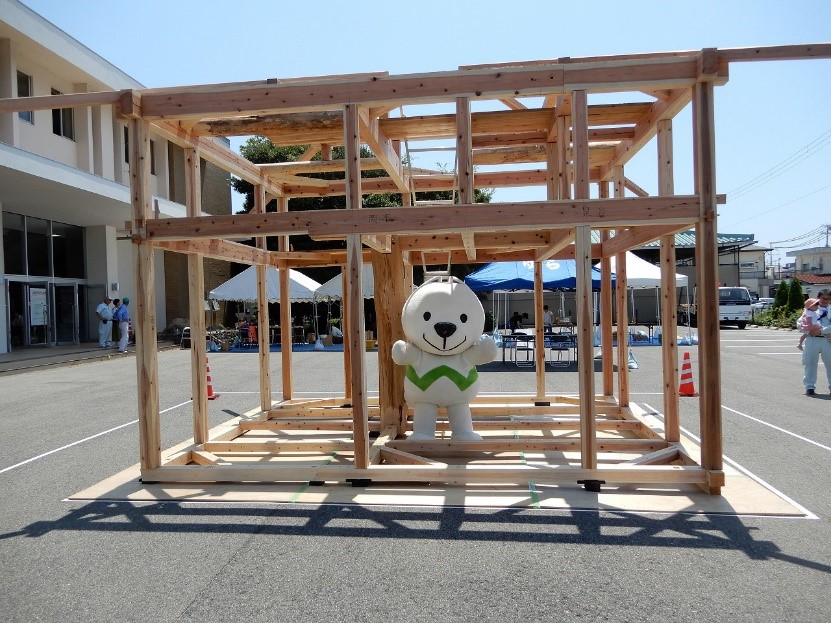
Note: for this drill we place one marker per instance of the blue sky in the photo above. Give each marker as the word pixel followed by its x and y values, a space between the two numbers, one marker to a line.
pixel 773 121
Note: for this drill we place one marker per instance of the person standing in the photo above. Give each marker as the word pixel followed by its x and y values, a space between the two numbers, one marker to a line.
pixel 105 318
pixel 818 344
pixel 122 316
pixel 547 318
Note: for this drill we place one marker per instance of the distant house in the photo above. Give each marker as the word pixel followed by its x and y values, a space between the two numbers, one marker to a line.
pixel 64 192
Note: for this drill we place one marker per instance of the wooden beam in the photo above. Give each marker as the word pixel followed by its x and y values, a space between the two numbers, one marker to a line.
pixel 638 236
pixel 354 270
pixel 220 250
pixel 231 99
pixel 707 281
pixel 557 240
pixel 147 368
pixel 70 100
pixel 196 308
pixel 381 146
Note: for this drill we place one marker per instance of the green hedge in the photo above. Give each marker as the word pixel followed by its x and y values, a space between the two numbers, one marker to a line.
pixel 776 317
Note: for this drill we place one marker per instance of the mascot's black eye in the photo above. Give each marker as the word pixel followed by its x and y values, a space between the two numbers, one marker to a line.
pixel 427 315
pixel 463 317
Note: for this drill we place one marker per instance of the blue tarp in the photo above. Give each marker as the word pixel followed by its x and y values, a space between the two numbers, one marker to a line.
pixel 556 275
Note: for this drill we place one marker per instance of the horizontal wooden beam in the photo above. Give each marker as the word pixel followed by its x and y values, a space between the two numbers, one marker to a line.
pixel 220 250
pixel 612 75
pixel 518 216
pixel 69 100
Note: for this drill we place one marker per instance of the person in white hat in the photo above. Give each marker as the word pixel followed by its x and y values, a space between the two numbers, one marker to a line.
pixel 122 316
pixel 818 344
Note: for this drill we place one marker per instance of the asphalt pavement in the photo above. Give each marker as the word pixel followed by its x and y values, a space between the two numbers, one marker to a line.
pixel 65 428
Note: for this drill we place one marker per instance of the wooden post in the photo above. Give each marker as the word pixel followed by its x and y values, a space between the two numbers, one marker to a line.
pixel 562 148
pixel 286 329
pixel 263 323
pixel 147 370
pixel 583 268
pixel 606 348
pixel 707 287
pixel 347 324
pixel 669 317
pixel 388 271
pixel 539 337
pixel 354 267
pixel 622 306
pixel 196 310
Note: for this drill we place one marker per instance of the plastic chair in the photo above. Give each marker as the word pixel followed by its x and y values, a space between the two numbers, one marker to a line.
pixel 559 346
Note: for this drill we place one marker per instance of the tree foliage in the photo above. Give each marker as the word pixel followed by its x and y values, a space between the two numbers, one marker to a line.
pixel 783 293
pixel 260 150
pixel 796 299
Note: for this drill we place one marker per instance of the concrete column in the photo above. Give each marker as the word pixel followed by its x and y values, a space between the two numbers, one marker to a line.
pixel 8 88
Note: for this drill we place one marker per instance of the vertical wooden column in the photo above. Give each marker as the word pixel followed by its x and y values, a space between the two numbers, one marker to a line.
pixel 606 348
pixel 563 141
pixel 669 317
pixel 347 323
pixel 263 322
pixel 707 286
pixel 388 270
pixel 539 338
pixel 196 308
pixel 583 268
pixel 622 306
pixel 464 151
pixel 286 329
pixel 354 265
pixel 147 369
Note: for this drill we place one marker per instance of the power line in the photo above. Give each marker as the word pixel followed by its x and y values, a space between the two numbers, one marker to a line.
pixel 750 218
pixel 785 165
pixel 813 232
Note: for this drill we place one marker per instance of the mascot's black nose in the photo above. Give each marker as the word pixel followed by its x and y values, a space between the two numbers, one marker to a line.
pixel 445 329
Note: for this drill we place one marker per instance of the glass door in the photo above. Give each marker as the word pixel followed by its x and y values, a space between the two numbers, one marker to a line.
pixel 66 314
pixel 37 314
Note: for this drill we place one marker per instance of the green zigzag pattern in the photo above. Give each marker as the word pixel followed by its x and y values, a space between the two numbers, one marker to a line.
pixel 431 376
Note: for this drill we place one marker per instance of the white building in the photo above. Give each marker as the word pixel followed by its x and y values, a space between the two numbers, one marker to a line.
pixel 64 191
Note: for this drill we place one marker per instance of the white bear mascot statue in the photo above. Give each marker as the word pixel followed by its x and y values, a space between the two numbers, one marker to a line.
pixel 443 322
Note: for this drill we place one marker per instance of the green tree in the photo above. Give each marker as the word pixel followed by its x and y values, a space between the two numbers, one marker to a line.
pixel 796 299
pixel 783 293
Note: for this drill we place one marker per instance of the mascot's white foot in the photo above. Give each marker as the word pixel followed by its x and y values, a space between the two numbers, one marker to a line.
pixel 466 436
pixel 421 437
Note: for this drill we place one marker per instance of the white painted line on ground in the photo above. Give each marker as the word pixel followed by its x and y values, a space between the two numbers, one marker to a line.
pixel 84 440
pixel 781 430
pixel 736 466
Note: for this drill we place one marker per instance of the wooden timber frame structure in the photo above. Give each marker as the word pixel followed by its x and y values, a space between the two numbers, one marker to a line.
pixel 570 144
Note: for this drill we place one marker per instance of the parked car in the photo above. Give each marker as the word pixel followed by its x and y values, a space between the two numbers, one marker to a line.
pixel 762 304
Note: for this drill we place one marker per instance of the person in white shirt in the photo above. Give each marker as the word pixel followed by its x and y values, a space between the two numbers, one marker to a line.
pixel 105 325
pixel 818 344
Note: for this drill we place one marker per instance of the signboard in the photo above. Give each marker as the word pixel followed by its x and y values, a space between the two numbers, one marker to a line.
pixel 37 307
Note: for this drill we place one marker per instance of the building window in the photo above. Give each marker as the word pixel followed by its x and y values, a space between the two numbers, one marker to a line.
pixel 24 89
pixel 126 144
pixel 152 157
pixel 63 120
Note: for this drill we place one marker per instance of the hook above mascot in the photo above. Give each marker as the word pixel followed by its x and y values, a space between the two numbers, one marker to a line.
pixel 443 322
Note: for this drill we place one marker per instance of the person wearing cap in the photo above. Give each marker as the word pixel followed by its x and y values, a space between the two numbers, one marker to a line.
pixel 808 320
pixel 122 316
pixel 105 317
pixel 818 344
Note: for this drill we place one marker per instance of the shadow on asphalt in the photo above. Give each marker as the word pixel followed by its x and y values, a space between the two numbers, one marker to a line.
pixel 590 527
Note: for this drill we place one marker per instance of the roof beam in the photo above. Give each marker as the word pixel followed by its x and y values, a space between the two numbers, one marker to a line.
pixel 519 216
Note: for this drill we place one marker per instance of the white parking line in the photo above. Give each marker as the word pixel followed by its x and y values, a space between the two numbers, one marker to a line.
pixel 80 441
pixel 781 430
pixel 736 466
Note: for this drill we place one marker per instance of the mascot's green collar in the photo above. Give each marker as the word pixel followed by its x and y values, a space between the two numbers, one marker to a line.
pixel 431 376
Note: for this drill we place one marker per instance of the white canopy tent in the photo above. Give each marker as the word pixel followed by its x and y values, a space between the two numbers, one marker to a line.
pixel 334 287
pixel 642 274
pixel 243 287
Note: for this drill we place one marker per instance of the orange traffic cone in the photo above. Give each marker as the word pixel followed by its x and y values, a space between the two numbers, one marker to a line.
pixel 211 394
pixel 687 388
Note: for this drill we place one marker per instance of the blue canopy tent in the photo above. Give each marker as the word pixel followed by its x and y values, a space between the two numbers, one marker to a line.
pixel 506 276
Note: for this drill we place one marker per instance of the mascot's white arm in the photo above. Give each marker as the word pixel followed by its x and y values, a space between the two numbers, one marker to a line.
pixel 483 350
pixel 404 353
